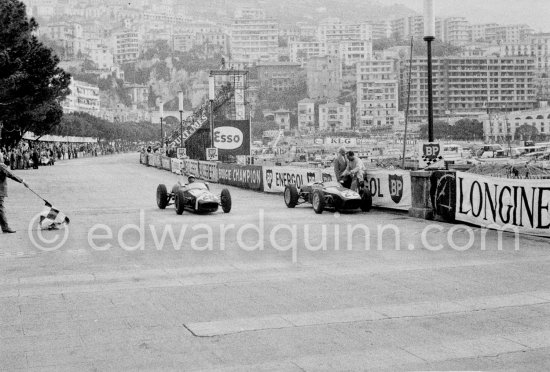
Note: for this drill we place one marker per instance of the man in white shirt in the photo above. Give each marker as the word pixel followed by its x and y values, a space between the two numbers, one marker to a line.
pixel 355 170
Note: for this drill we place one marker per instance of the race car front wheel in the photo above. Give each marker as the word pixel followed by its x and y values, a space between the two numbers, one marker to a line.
pixel 226 201
pixel 318 201
pixel 291 196
pixel 179 202
pixel 162 196
pixel 366 200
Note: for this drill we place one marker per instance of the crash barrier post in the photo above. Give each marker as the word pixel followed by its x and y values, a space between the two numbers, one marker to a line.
pixel 420 188
pixel 208 171
pixel 443 194
pixel 242 176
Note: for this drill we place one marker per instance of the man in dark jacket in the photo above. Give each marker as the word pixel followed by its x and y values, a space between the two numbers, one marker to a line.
pixel 4 175
pixel 340 165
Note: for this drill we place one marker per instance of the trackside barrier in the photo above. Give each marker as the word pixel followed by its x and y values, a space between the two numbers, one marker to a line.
pixel 276 178
pixel 208 171
pixel 166 163
pixel 177 165
pixel 143 158
pixel 243 176
pixel 191 167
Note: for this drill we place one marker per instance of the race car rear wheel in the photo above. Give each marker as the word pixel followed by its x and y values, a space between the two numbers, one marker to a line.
pixel 162 196
pixel 180 202
pixel 318 201
pixel 226 201
pixel 366 200
pixel 291 196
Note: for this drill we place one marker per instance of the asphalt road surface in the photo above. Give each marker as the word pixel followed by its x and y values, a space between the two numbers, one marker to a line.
pixel 263 288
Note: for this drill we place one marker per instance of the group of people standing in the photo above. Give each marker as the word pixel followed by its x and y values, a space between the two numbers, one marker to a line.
pixel 349 169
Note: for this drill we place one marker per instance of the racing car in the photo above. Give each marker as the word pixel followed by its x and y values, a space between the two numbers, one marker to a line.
pixel 328 195
pixel 195 197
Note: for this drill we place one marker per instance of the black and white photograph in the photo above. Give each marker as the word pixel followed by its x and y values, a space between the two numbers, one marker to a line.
pixel 291 185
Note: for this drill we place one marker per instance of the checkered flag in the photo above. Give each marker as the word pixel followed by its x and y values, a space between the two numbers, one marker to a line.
pixel 429 160
pixel 52 219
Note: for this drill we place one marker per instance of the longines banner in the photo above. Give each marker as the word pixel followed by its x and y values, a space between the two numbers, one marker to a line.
pixel 244 176
pixel 504 203
pixel 390 188
pixel 276 178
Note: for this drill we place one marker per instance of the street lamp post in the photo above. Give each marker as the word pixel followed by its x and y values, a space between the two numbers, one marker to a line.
pixel 180 99
pixel 429 36
pixel 161 111
pixel 212 97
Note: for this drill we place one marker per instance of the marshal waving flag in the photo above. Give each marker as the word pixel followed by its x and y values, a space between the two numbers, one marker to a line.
pixel 52 219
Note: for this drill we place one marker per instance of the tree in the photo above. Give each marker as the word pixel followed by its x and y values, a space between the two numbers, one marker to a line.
pixel 527 132
pixel 31 84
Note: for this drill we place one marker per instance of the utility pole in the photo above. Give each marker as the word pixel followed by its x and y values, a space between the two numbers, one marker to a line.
pixel 429 36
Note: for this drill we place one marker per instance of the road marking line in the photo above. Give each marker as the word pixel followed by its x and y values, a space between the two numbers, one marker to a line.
pixel 360 314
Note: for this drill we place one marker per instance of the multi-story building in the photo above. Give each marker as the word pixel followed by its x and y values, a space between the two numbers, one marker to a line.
pixel 454 30
pixel 334 30
pixel 84 97
pixel 302 51
pixel 102 57
pixel 280 76
pixel 69 34
pixel 324 80
pixel 466 86
pixel 482 32
pixel 335 117
pixel 252 13
pixel 380 30
pixel 403 28
pixel 377 95
pixel 139 94
pixel 183 42
pixel 254 40
pixel 164 18
pixel 126 46
pixel 306 115
pixel 501 127
pixel 540 44
pixel 218 40
pixel 352 51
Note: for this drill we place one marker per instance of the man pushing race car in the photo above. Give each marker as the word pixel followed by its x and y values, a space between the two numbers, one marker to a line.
pixel 349 193
pixel 194 196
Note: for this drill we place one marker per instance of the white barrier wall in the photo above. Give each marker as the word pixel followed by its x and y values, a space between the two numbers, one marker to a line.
pixel 177 166
pixel 208 171
pixel 503 203
pixel 276 178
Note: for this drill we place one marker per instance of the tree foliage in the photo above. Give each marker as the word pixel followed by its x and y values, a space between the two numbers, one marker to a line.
pixel 464 129
pixel 31 84
pixel 81 124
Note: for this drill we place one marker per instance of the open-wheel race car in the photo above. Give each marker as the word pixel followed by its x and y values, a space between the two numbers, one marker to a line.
pixel 328 195
pixel 195 197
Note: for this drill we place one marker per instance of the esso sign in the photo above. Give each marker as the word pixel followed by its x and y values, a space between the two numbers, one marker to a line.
pixel 228 138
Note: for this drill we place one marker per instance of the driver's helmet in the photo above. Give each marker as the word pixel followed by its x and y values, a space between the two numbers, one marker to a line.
pixel 191 178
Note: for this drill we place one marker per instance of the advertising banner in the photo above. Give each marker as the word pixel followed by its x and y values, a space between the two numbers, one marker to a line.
pixel 503 203
pixel 276 178
pixel 191 167
pixel 340 141
pixel 166 163
pixel 208 171
pixel 443 194
pixel 177 165
pixel 243 176
pixel 390 188
pixel 154 160
pixel 143 158
pixel 232 138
